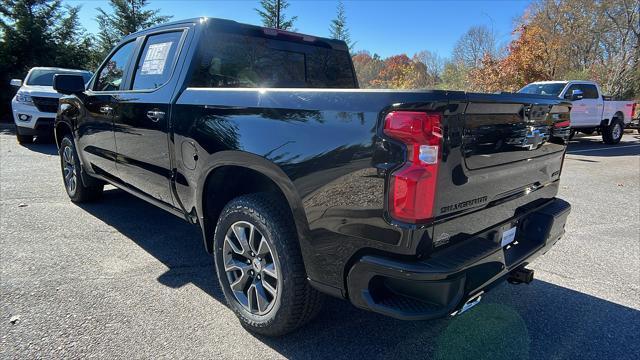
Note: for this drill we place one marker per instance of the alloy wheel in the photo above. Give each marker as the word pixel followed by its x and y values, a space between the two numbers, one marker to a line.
pixel 617 131
pixel 251 268
pixel 69 170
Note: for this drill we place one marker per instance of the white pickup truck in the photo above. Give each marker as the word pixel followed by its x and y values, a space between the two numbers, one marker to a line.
pixel 591 110
pixel 35 105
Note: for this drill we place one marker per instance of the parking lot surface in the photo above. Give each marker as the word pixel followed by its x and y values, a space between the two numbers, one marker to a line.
pixel 123 279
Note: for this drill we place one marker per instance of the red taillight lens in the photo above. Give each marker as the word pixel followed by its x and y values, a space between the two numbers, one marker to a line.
pixel 562 124
pixel 413 186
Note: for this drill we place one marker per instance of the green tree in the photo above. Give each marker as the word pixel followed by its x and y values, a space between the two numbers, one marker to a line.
pixel 126 17
pixel 38 33
pixel 455 76
pixel 338 27
pixel 272 14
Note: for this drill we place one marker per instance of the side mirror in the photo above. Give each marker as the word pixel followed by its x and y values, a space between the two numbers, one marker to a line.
pixel 577 94
pixel 68 84
pixel 16 82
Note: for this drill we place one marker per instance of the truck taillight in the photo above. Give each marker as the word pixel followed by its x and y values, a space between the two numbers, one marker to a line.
pixel 413 186
pixel 562 124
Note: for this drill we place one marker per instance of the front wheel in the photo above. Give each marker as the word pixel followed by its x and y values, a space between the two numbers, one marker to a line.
pixel 612 134
pixel 71 172
pixel 260 268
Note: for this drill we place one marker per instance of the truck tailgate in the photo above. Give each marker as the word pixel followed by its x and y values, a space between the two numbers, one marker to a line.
pixel 499 156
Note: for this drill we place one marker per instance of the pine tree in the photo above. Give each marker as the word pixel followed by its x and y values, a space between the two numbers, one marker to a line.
pixel 338 27
pixel 272 14
pixel 127 16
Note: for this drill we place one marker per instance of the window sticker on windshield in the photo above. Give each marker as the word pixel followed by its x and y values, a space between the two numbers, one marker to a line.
pixel 156 58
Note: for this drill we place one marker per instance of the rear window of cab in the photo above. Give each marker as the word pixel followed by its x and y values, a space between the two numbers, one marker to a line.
pixel 253 60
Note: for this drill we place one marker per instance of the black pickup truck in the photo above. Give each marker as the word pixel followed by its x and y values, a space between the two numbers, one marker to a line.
pixel 407 203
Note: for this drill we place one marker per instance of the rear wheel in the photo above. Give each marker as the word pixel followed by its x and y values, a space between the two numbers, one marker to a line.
pixel 612 134
pixel 71 173
pixel 260 268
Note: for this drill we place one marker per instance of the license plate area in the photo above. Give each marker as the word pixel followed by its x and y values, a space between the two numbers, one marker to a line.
pixel 516 242
pixel 508 236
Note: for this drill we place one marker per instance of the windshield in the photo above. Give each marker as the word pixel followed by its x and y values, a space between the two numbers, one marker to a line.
pixel 44 77
pixel 551 89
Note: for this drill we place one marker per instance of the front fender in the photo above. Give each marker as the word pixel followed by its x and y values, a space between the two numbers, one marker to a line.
pixel 66 117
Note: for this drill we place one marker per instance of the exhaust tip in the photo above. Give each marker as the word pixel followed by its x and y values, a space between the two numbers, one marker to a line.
pixel 520 275
pixel 473 301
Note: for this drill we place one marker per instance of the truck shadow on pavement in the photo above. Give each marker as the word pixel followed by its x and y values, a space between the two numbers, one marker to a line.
pixel 43 145
pixel 593 146
pixel 536 321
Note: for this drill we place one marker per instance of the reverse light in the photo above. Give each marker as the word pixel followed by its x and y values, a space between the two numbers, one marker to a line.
pixel 413 186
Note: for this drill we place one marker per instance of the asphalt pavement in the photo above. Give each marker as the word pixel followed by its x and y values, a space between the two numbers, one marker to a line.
pixel 123 279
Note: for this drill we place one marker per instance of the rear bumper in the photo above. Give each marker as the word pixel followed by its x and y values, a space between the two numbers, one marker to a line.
pixel 441 284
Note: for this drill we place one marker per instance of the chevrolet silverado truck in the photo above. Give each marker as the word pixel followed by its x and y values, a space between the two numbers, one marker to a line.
pixel 35 104
pixel 410 204
pixel 590 111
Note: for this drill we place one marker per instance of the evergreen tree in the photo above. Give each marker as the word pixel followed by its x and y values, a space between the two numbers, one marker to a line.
pixel 338 27
pixel 272 14
pixel 126 17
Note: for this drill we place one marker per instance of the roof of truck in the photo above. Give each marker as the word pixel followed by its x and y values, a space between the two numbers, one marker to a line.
pixel 210 20
pixel 57 68
pixel 563 82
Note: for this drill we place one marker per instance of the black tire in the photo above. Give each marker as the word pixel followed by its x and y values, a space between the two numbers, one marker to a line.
pixel 24 139
pixel 572 134
pixel 612 134
pixel 296 301
pixel 70 166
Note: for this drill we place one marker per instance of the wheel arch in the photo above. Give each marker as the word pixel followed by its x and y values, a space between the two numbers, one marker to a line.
pixel 234 173
pixel 61 129
pixel 607 122
pixel 619 115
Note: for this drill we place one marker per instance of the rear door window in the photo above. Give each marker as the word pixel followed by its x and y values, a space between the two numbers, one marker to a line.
pixel 155 64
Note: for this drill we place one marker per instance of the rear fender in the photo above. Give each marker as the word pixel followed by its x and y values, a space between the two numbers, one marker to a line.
pixel 264 167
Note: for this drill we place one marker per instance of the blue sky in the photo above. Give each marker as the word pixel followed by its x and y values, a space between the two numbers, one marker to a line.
pixel 384 27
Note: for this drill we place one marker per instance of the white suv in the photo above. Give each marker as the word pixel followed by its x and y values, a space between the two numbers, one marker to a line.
pixel 35 105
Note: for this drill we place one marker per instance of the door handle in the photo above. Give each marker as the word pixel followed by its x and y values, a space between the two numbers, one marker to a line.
pixel 155 115
pixel 106 109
